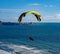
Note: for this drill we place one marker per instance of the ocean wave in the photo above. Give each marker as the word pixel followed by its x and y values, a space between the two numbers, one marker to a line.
pixel 4 52
pixel 9 48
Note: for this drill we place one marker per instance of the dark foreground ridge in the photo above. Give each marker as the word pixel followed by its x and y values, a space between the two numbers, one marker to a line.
pixel 12 23
pixel 8 23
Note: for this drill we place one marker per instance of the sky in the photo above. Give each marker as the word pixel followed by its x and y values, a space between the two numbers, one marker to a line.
pixel 10 10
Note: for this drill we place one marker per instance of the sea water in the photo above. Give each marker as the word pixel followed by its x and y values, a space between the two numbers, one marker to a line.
pixel 14 39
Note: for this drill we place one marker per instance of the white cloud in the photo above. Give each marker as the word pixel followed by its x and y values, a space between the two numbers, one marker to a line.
pixel 10 10
pixel 57 16
pixel 10 15
pixel 54 18
pixel 34 4
pixel 29 18
pixel 48 5
pixel 13 14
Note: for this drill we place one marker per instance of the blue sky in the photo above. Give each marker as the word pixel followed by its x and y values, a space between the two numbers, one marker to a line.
pixel 11 9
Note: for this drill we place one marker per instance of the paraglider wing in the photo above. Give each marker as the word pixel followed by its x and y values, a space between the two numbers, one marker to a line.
pixel 36 14
pixel 38 17
pixel 21 16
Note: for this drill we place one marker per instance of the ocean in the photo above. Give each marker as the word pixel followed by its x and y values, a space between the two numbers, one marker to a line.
pixel 14 39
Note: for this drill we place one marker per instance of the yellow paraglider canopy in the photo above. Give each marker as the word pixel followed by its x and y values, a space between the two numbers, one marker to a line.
pixel 35 13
